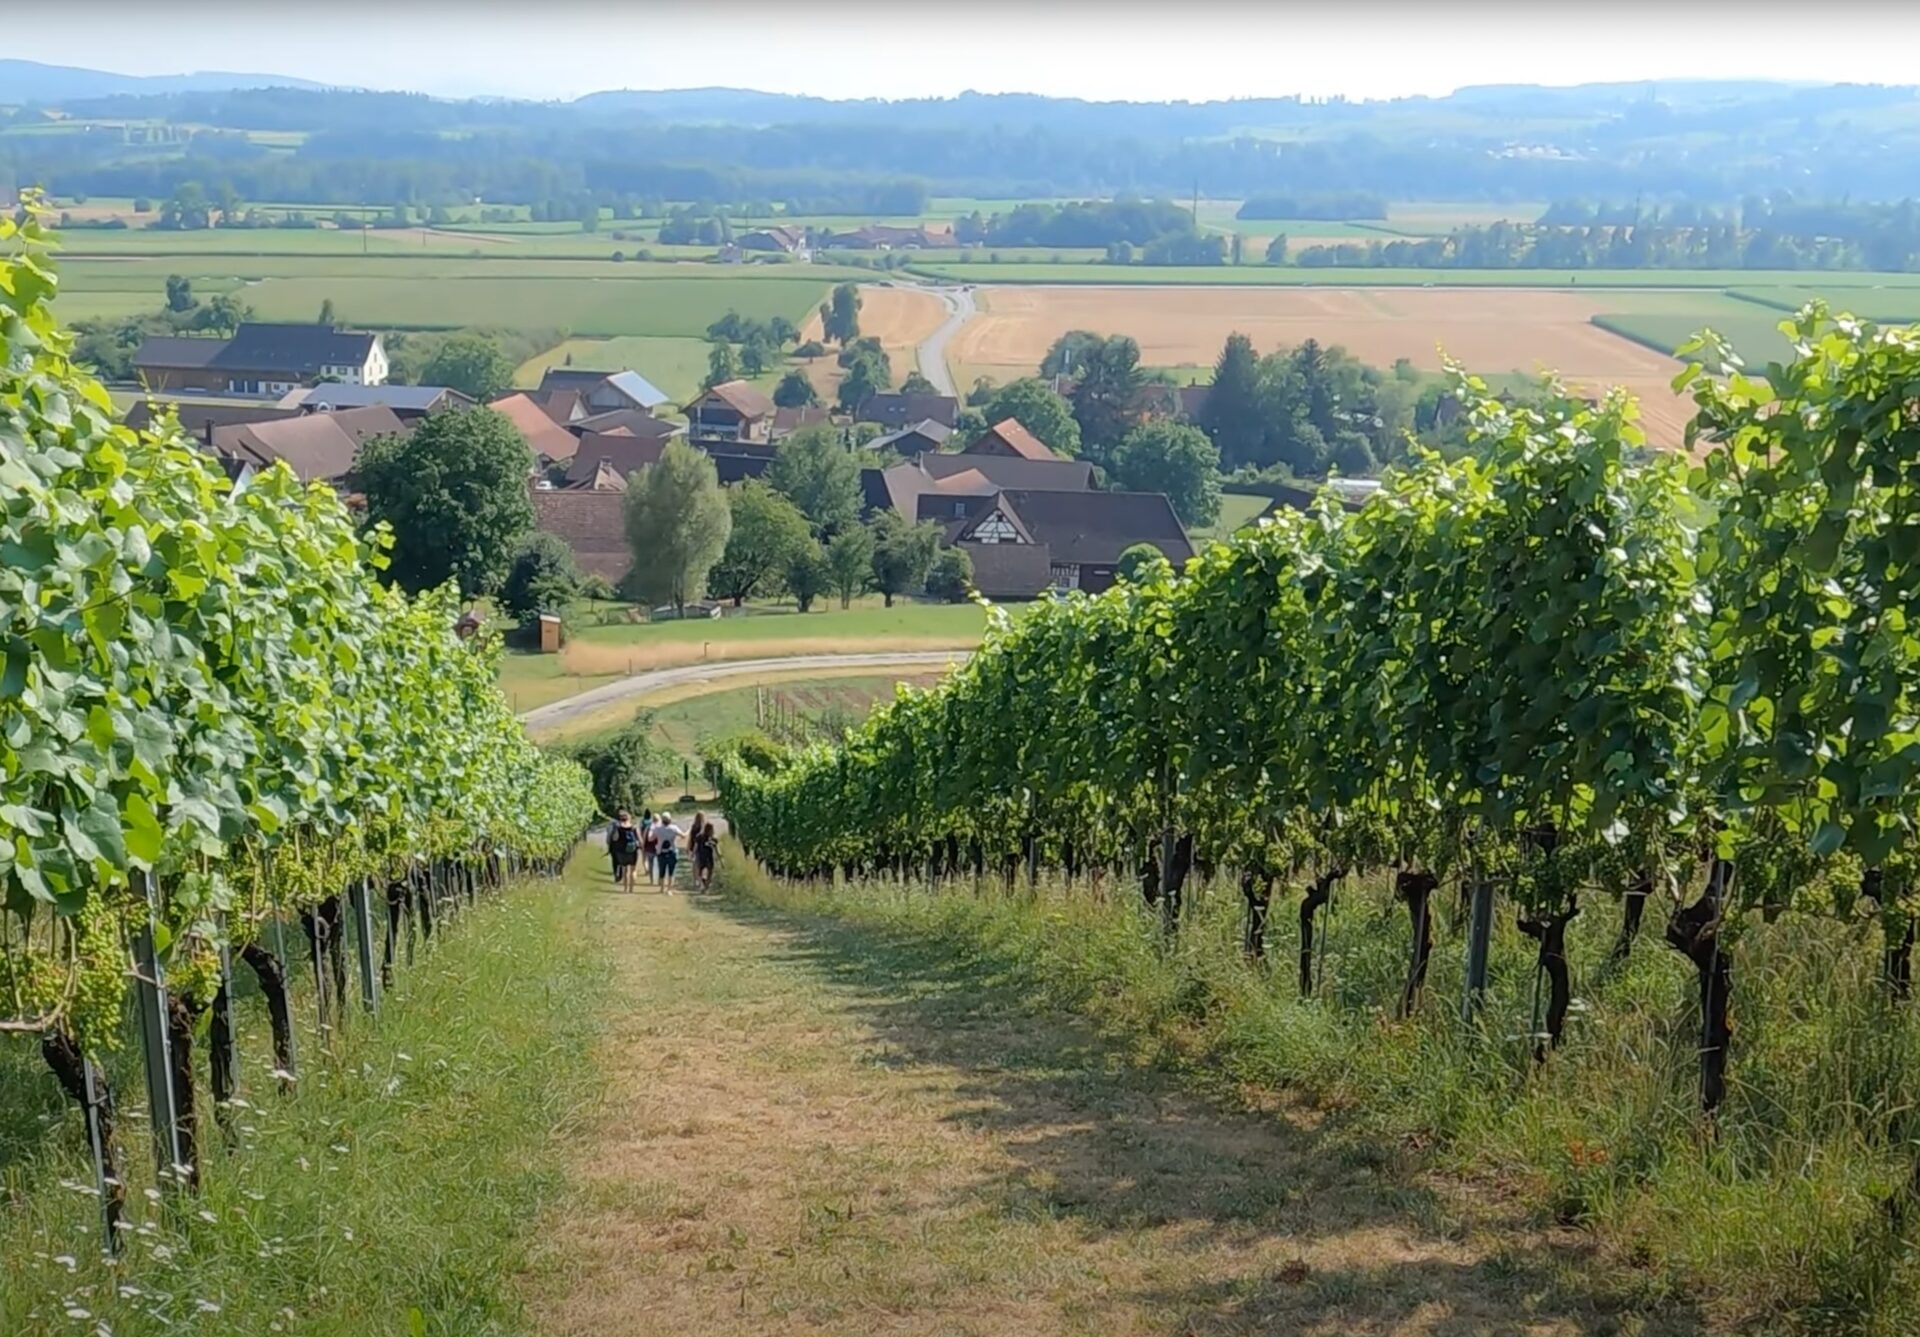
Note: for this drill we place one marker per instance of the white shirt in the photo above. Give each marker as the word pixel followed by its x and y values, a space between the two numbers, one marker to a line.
pixel 667 835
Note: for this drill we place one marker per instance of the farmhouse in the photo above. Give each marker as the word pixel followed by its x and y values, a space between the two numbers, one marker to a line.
pixel 887 237
pixel 1009 438
pixel 592 522
pixel 168 364
pixel 548 440
pixel 787 421
pixel 923 436
pixel 731 411
pixel 894 410
pixel 1051 475
pixel 410 402
pixel 198 417
pixel 779 240
pixel 263 359
pixel 1024 542
pixel 318 447
pixel 633 421
pixel 601 391
pixel 604 460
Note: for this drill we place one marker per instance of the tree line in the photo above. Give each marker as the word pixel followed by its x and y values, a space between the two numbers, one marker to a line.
pixel 1893 244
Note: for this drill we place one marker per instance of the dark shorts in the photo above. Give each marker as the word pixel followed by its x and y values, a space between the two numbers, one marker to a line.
pixel 703 858
pixel 624 859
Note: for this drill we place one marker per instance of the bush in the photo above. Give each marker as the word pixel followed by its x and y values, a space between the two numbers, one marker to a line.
pixel 1138 561
pixel 811 348
pixel 628 766
pixel 951 576
pixel 541 578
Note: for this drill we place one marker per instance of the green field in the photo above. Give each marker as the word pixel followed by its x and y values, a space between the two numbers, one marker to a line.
pixel 867 620
pixel 1755 337
pixel 1237 510
pixel 1893 303
pixel 676 365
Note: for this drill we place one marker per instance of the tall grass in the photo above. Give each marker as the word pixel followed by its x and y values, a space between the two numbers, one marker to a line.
pixel 392 1193
pixel 1785 1213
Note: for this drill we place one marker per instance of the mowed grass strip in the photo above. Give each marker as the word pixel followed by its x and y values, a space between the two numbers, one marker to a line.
pixel 404 1175
pixel 848 1124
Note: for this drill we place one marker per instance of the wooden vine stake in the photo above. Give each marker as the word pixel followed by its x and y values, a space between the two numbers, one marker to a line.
pixel 150 989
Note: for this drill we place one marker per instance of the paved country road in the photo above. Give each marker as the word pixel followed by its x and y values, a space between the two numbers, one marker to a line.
pixel 932 353
pixel 561 712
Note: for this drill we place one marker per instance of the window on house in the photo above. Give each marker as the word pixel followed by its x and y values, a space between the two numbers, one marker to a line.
pixel 1065 575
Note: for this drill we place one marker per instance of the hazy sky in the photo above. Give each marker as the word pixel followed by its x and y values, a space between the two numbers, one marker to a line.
pixel 1193 49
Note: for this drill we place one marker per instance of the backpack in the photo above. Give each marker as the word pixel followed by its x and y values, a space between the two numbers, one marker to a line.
pixel 626 839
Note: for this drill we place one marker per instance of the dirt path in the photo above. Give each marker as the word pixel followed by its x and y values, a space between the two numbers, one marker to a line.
pixel 818 1130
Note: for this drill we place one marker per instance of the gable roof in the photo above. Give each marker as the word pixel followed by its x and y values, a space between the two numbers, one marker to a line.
pixel 637 421
pixel 747 400
pixel 928 430
pixel 316 446
pixel 402 398
pixel 563 406
pixel 894 408
pixel 787 420
pixel 544 436
pixel 1096 527
pixel 622 454
pixel 1009 434
pixel 198 418
pixel 176 352
pixel 735 467
pixel 305 349
pixel 966 483
pixel 1053 475
pixel 593 524
pixel 628 382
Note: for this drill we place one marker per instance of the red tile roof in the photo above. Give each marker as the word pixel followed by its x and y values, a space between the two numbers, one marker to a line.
pixel 545 437
pixel 1008 437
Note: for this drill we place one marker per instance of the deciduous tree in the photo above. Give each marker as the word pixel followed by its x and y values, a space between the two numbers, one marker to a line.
pixel 850 561
pixel 808 575
pixel 1033 404
pixel 768 533
pixel 902 553
pixel 472 364
pixel 820 476
pixel 840 314
pixel 454 492
pixel 1175 459
pixel 795 391
pixel 541 578
pixel 677 522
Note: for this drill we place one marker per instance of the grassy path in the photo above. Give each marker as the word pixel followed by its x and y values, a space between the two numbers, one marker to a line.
pixel 817 1128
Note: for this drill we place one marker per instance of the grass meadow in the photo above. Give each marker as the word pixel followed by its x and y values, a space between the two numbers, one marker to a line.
pixel 395 1190
pixel 1782 1216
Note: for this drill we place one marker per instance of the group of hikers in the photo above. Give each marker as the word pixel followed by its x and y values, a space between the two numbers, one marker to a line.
pixel 655 841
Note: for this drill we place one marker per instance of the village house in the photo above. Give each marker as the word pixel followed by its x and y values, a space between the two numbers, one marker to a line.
pixel 780 239
pixel 1023 543
pixel 1009 438
pixel 602 391
pixel 318 447
pixel 921 437
pixel 731 411
pixel 269 360
pixel 894 410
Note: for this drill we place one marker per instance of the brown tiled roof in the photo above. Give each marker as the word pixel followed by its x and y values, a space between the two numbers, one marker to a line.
pixel 624 454
pixel 593 524
pixel 747 400
pixel 1053 475
pixel 1009 435
pixel 966 483
pixel 787 420
pixel 545 437
pixel 314 445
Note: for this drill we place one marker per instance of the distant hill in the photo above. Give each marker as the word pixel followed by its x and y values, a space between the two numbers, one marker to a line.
pixel 23 81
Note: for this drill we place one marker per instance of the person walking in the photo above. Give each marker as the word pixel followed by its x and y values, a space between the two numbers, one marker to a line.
pixel 649 848
pixel 705 841
pixel 668 835
pixel 623 842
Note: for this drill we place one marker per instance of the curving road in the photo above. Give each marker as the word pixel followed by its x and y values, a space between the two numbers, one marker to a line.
pixel 932 352
pixel 561 712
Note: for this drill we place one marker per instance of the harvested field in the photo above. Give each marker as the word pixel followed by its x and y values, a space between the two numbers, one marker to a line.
pixel 1492 332
pixel 899 317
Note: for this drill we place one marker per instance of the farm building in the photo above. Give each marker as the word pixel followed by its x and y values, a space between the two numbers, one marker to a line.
pixel 1078 535
pixel 549 441
pixel 590 521
pixel 731 411
pixel 787 421
pixel 894 410
pixel 318 447
pixel 777 240
pixel 601 391
pixel 1052 475
pixel 268 359
pixel 198 417
pixel 166 363
pixel 923 436
pixel 1009 438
